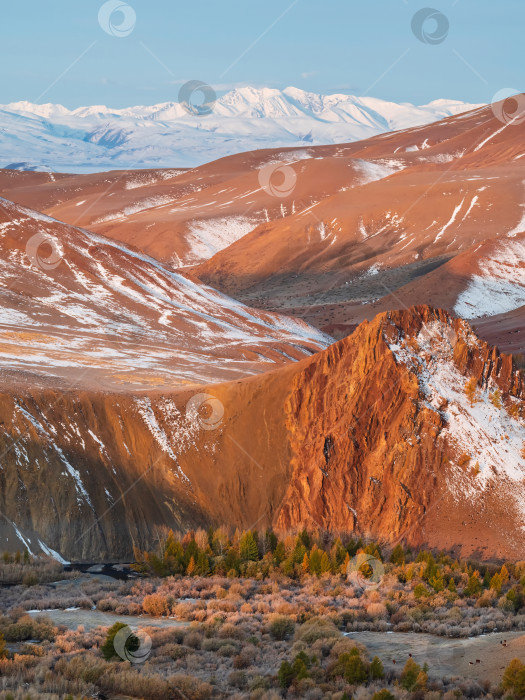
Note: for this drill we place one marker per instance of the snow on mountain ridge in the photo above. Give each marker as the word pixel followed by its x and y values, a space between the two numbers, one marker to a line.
pixel 241 97
pixel 97 137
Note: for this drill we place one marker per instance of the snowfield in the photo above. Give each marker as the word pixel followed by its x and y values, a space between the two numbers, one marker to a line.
pixel 92 139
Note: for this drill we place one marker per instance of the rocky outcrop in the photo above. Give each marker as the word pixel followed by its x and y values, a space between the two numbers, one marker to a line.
pixel 373 455
pixel 374 436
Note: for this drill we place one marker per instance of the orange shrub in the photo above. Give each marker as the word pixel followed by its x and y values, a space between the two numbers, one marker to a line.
pixel 155 604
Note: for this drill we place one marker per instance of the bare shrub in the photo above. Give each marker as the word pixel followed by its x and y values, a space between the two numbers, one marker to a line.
pixel 237 679
pixel 316 628
pixel 155 605
pixel 229 631
pixel 376 610
pixel 281 627
pixel 193 639
pixel 227 649
pixel 245 657
pixel 191 688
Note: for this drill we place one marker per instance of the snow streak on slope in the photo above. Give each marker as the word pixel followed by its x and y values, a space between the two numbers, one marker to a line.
pixel 47 431
pixel 148 415
pixel 51 553
pixel 499 286
pixel 90 139
pixel 106 308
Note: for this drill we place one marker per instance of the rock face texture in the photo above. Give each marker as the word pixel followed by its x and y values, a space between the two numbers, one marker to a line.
pixel 382 435
pixel 375 435
pixel 88 474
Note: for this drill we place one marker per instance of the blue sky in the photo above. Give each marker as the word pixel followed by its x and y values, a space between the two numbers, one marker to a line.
pixel 56 51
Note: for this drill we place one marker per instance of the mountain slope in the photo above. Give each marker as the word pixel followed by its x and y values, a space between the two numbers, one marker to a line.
pixel 378 224
pixel 90 139
pixel 409 457
pixel 417 215
pixel 191 215
pixel 79 309
pixel 373 435
pixel 433 231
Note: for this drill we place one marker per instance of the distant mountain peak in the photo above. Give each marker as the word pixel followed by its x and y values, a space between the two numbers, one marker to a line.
pixel 243 119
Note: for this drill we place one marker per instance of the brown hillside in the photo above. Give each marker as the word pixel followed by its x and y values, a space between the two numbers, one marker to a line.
pixel 368 436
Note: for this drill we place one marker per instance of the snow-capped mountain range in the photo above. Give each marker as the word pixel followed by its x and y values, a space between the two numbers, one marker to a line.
pixel 96 138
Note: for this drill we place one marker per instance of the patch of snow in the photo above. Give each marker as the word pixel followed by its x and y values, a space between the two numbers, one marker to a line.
pixel 500 285
pixel 174 417
pixel 51 553
pixel 520 226
pixel 140 206
pixel 50 440
pixel 22 539
pixel 486 433
pixel 99 442
pixel 496 133
pixel 452 219
pixel 150 179
pixel 373 270
pixel 472 205
pixel 208 236
pixel 371 171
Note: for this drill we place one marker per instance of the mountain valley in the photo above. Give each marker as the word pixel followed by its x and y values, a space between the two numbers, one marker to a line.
pixel 135 396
